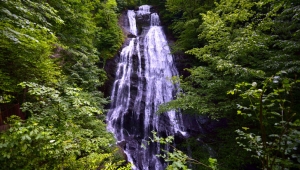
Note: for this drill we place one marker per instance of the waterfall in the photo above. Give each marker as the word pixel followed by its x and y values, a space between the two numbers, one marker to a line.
pixel 142 83
pixel 132 22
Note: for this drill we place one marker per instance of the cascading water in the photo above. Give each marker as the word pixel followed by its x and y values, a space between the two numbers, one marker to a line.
pixel 142 83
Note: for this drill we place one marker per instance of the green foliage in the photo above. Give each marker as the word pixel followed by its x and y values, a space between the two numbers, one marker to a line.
pixel 90 33
pixel 57 45
pixel 40 40
pixel 26 44
pixel 275 142
pixel 240 42
pixel 62 132
pixel 177 159
pixel 124 4
pixel 239 47
pixel 213 163
pixel 185 21
pixel 109 36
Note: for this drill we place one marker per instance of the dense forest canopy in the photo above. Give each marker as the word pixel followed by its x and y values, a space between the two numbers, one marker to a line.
pixel 247 73
pixel 245 70
pixel 50 53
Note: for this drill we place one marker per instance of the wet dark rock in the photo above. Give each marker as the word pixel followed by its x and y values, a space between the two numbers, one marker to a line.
pixel 131 36
pixel 110 68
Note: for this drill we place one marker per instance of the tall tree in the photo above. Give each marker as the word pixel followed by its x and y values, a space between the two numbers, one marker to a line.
pixel 89 34
pixel 27 41
pixel 55 47
pixel 244 42
pixel 185 17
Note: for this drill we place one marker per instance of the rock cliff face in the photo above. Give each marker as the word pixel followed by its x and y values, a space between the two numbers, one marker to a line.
pixel 141 74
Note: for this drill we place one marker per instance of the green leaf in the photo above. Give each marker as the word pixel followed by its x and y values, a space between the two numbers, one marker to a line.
pixel 245 128
pixel 24 148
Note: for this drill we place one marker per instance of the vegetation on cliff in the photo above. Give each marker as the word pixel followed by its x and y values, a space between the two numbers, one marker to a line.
pixel 50 53
pixel 247 72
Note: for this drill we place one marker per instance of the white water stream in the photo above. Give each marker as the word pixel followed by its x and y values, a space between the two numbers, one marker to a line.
pixel 143 83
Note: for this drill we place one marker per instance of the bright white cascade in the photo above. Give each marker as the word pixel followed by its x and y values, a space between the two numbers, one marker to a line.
pixel 142 84
pixel 144 10
pixel 132 22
